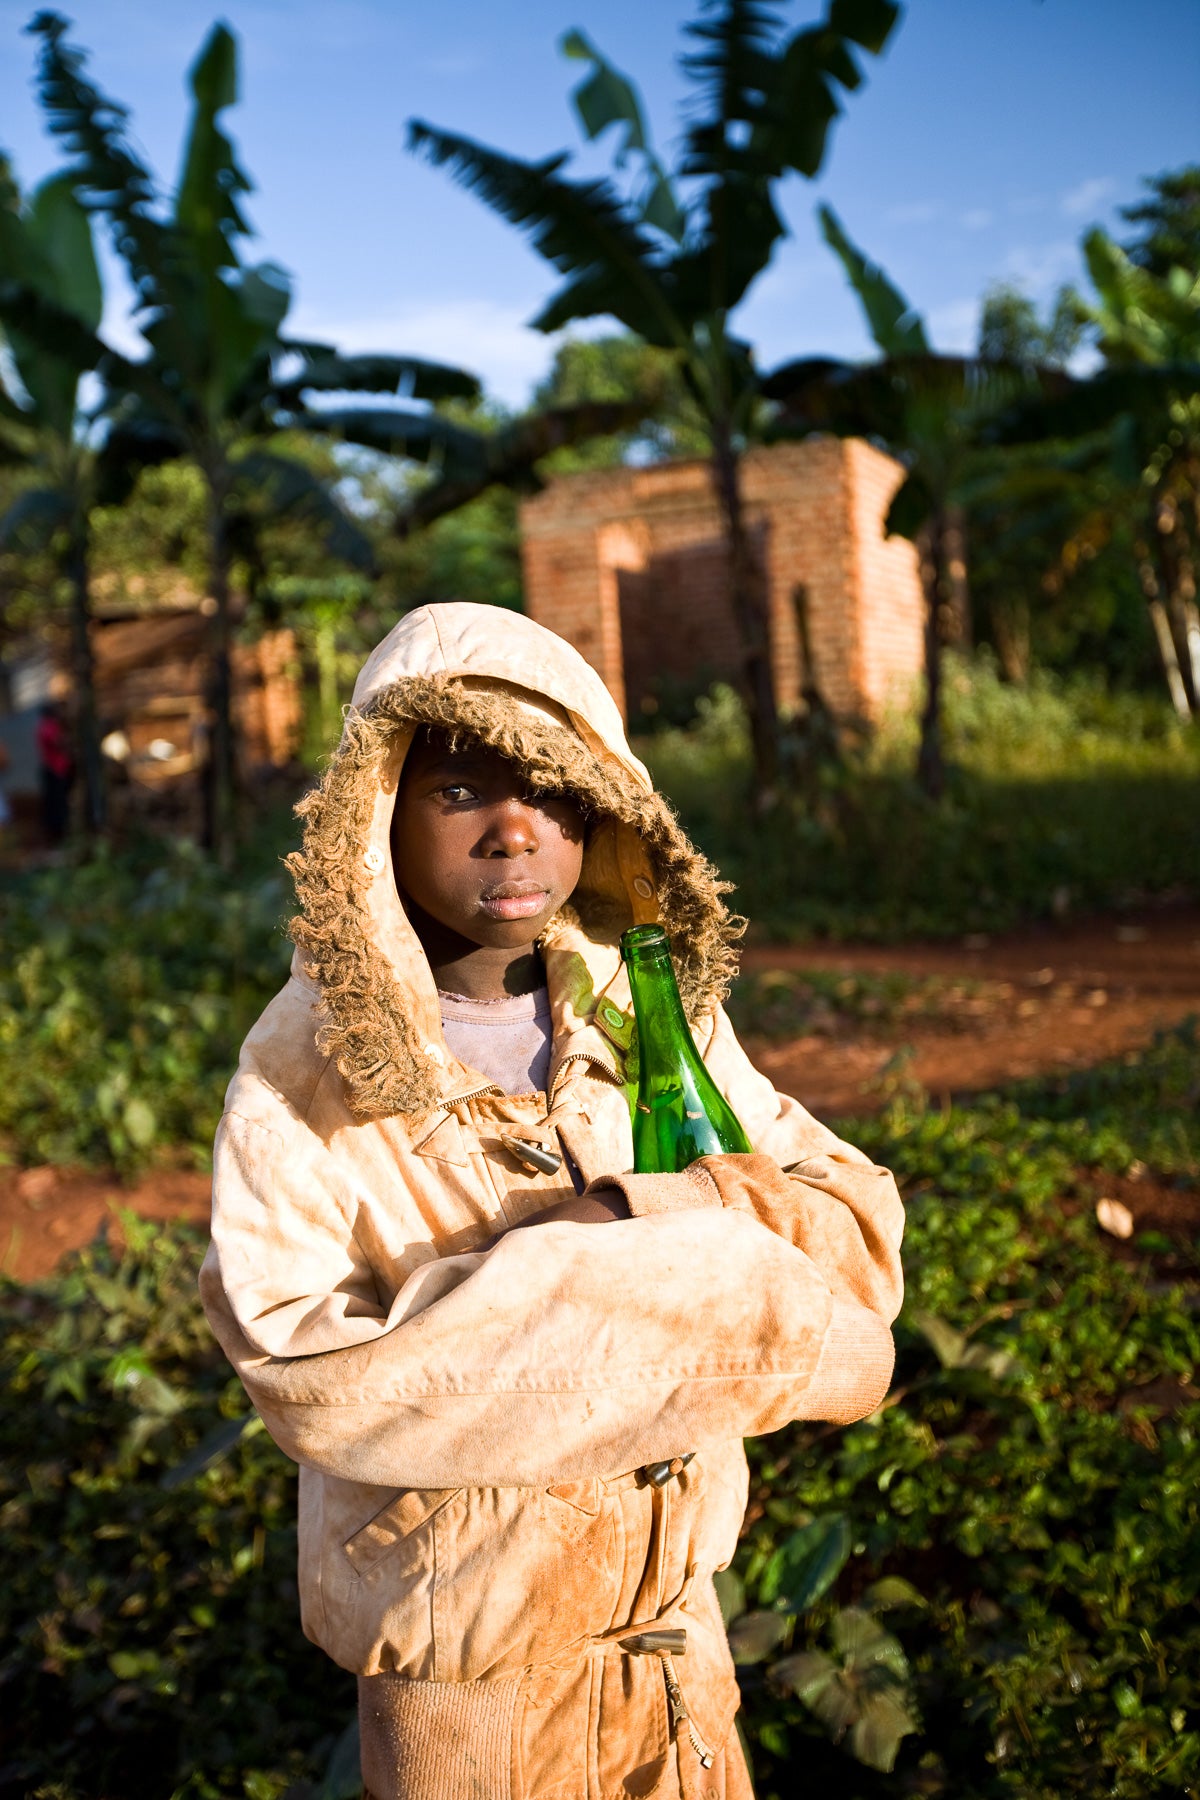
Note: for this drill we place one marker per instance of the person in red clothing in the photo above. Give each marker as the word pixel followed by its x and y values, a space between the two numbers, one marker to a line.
pixel 56 766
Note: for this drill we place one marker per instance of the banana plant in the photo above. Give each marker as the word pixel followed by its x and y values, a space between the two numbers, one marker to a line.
pixel 930 409
pixel 49 264
pixel 671 252
pixel 221 379
pixel 1147 328
pixel 1140 413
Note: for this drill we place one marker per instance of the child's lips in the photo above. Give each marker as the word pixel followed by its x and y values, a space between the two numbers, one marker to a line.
pixel 514 899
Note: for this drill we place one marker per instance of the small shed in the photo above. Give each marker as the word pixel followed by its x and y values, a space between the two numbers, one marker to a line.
pixel 152 672
pixel 629 565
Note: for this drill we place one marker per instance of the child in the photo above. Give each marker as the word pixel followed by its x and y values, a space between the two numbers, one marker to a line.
pixel 477 1410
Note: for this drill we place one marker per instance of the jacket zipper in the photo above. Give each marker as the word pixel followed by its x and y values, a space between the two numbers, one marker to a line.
pixel 588 1056
pixel 679 1713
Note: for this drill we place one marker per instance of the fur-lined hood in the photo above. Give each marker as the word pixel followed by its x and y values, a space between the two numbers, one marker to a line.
pixel 497 678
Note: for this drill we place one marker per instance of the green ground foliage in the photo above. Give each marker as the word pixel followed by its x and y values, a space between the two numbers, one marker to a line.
pixel 986 1590
pixel 148 1611
pixel 127 986
pixel 1063 797
pixel 1016 1540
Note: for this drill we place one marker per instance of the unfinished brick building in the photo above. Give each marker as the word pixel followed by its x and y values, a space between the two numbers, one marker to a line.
pixel 629 565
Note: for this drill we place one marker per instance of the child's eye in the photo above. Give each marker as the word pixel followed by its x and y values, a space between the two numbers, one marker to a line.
pixel 457 793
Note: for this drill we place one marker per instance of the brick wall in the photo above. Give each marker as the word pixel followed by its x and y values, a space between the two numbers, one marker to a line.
pixel 629 566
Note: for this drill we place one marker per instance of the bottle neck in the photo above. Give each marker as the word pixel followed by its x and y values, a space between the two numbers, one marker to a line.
pixel 663 1031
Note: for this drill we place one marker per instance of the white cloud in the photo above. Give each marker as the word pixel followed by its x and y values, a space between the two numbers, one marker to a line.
pixel 978 219
pixel 954 325
pixel 916 212
pixel 1085 198
pixel 492 340
pixel 1041 267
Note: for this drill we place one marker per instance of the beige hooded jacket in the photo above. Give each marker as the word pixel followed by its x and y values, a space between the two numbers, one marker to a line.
pixel 472 1423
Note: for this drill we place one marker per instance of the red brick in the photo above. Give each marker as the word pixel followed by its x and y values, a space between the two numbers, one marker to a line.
pixel 629 565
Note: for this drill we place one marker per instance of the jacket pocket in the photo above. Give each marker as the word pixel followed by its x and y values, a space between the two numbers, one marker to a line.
pixel 522 1574
pixel 403 1513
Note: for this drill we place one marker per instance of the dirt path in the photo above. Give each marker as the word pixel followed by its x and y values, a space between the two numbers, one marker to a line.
pixel 989 1011
pixel 1035 1002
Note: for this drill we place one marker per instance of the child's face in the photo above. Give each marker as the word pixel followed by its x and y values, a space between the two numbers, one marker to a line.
pixel 476 851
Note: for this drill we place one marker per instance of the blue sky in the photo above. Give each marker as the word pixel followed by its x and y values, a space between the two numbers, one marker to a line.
pixel 989 136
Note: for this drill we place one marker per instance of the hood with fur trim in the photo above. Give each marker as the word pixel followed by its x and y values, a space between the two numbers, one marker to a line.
pixel 494 677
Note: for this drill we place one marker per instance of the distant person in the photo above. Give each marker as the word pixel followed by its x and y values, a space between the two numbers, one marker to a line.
pixel 5 808
pixel 56 768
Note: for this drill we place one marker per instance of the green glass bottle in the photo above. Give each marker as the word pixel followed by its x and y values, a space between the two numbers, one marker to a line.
pixel 680 1113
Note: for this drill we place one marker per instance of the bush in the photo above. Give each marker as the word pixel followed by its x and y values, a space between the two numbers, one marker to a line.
pixel 1062 797
pixel 148 1610
pixel 1026 1511
pixel 127 987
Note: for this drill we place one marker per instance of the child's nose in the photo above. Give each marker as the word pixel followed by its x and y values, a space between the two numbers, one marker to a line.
pixel 512 831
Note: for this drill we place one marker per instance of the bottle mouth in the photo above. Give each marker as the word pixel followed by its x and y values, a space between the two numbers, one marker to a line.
pixel 643 943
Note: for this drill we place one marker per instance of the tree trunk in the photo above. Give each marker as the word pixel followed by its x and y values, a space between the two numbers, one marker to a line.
pixel 748 598
pixel 1162 634
pixel 1189 618
pixel 956 602
pixel 220 793
pixel 1177 581
pixel 83 669
pixel 1010 629
pixel 931 767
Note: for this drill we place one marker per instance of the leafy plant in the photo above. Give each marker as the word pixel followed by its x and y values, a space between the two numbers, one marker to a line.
pixel 221 378
pixel 50 277
pixel 148 1615
pixel 127 987
pixel 1025 1506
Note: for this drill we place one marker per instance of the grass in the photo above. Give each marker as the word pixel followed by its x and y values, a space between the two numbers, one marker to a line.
pixel 1062 798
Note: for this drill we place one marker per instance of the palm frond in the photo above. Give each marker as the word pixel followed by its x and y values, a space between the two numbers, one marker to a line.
pixel 289 489
pixel 418 436
pixel 1066 408
pixel 61 229
pixel 206 204
pixel 412 377
pixel 582 227
pixel 107 173
pixel 894 323
pixel 731 72
pixel 742 228
pixel 771 100
pixel 606 98
pixel 512 455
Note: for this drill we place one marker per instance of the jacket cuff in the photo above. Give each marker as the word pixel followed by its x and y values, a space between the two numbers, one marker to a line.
pixel 741 1181
pixel 854 1369
pixel 646 1194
